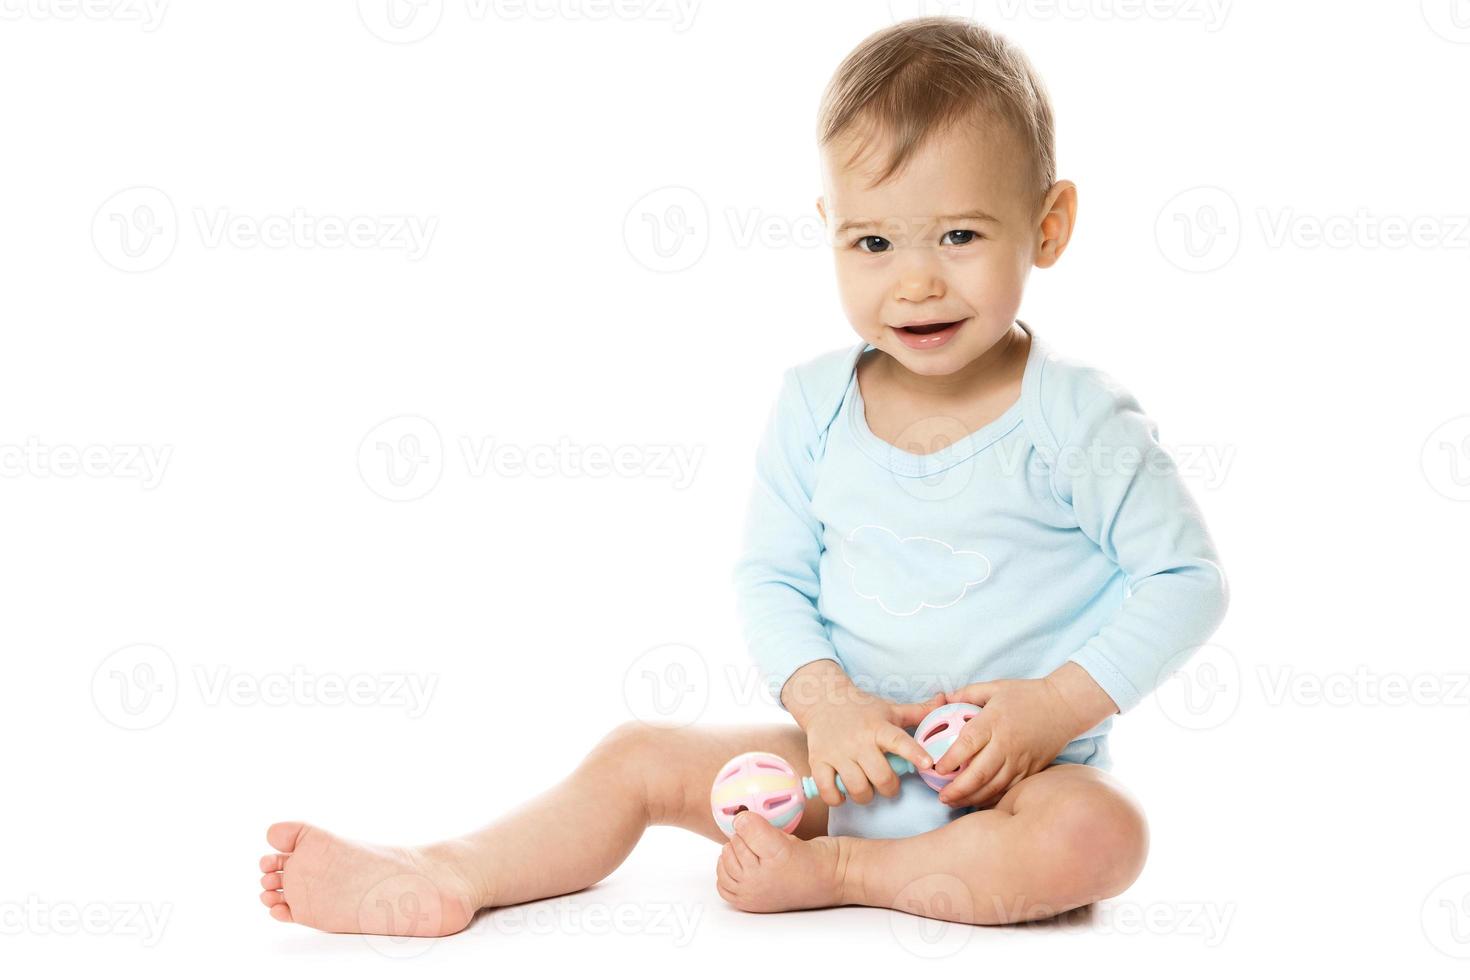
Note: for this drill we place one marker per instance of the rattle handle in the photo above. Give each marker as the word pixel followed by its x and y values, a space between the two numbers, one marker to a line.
pixel 900 765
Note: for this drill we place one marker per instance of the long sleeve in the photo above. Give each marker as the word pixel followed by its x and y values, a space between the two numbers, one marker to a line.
pixel 776 576
pixel 1128 497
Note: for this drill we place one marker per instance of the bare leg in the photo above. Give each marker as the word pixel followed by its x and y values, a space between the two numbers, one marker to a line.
pixel 561 841
pixel 1059 839
pixel 576 833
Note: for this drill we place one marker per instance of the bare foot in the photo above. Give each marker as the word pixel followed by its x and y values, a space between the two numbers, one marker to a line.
pixel 339 885
pixel 763 869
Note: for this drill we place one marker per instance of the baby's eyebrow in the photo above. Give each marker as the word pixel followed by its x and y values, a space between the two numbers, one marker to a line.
pixel 974 214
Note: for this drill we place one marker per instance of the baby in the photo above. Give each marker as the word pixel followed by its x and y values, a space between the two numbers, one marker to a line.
pixel 946 512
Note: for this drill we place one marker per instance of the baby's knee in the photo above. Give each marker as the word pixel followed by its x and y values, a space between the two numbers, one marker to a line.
pixel 1097 839
pixel 638 756
pixel 632 745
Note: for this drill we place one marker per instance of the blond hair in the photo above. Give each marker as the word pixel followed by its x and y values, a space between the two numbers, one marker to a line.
pixel 921 75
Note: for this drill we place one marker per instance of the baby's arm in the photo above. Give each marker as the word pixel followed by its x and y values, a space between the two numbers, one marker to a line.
pixel 776 582
pixel 776 575
pixel 1129 498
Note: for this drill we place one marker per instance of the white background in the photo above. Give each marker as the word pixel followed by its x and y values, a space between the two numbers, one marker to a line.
pixel 1303 808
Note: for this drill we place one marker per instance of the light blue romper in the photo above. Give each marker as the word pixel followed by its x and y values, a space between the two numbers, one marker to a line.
pixel 1060 531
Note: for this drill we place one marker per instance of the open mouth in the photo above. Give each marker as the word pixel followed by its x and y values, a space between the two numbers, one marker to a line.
pixel 929 335
pixel 929 327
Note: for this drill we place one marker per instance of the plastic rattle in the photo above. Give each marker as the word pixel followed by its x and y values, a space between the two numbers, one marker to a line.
pixel 937 732
pixel 765 783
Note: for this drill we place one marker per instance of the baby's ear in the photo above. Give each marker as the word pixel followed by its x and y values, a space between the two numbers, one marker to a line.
pixel 822 209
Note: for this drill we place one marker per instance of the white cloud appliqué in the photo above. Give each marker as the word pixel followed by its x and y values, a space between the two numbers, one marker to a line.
pixel 904 575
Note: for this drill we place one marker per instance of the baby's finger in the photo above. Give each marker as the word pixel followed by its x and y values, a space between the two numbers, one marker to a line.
pixel 976 694
pixel 995 788
pixel 908 715
pixel 744 856
pixel 729 863
pixel 901 743
pixel 972 738
pixel 879 772
pixel 978 772
pixel 965 780
pixel 825 777
pixel 858 788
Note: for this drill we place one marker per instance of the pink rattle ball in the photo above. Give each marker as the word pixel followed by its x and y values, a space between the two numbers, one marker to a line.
pixel 937 732
pixel 761 783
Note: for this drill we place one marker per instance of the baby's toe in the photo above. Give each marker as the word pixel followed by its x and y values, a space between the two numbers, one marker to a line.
pixel 273 862
pixel 271 882
pixel 281 913
pixel 272 898
pixel 282 836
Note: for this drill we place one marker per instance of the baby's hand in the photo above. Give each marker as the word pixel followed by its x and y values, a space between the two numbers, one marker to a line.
pixel 848 737
pixel 1024 726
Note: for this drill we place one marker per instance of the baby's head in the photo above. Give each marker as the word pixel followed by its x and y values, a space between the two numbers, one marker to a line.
pixel 939 188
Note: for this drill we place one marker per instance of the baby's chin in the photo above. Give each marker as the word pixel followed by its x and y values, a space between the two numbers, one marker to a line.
pixel 966 345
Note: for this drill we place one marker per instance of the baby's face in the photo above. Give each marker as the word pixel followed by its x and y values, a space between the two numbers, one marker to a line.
pixel 951 237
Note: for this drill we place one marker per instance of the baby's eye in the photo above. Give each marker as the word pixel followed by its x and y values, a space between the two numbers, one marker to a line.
pixel 872 238
pixel 960 231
